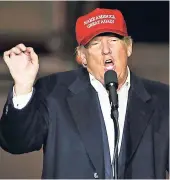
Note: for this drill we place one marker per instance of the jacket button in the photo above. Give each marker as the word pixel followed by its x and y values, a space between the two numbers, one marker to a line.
pixel 6 110
pixel 96 175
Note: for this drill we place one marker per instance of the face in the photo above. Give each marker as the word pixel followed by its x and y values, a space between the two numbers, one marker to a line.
pixel 104 53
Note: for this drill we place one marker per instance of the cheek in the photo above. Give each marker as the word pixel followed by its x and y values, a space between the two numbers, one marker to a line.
pixel 95 65
pixel 121 60
pixel 94 59
pixel 121 56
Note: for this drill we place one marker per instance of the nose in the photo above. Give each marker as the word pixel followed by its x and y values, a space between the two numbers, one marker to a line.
pixel 106 48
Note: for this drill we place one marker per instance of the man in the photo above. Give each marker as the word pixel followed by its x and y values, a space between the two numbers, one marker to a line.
pixel 68 113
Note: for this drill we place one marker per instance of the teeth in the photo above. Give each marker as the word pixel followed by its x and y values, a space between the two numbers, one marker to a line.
pixel 108 61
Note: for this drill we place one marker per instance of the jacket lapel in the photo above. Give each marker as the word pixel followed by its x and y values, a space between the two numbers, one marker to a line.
pixel 139 111
pixel 83 105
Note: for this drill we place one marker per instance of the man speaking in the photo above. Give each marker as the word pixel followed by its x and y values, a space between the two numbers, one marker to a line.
pixel 69 114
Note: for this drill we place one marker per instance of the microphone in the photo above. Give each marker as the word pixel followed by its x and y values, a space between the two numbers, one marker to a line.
pixel 111 84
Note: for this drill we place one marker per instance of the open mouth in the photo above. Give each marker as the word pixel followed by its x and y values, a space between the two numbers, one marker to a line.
pixel 109 65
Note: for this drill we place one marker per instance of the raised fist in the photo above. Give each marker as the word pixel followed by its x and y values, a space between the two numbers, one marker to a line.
pixel 23 65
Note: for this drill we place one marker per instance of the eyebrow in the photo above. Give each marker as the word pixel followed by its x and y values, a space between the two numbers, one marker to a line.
pixel 101 35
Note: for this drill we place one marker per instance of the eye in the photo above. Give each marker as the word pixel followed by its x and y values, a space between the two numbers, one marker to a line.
pixel 113 40
pixel 94 43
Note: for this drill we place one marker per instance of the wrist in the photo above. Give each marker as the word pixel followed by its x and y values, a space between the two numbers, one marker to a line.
pixel 21 89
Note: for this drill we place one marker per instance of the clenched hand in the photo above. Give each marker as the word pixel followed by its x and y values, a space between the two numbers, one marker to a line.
pixel 23 65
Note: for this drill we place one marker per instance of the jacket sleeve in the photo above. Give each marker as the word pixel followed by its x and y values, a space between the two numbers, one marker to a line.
pixel 25 130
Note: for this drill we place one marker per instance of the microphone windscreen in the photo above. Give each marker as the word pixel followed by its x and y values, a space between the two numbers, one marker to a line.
pixel 110 76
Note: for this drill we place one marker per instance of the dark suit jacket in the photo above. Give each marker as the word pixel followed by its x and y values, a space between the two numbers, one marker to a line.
pixel 63 117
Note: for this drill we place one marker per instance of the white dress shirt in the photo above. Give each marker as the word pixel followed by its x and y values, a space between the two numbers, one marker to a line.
pixel 106 109
pixel 22 100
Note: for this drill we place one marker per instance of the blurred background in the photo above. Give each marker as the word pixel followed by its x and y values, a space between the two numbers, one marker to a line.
pixel 49 27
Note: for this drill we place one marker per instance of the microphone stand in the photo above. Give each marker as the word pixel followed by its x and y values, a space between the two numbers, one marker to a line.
pixel 114 116
pixel 111 83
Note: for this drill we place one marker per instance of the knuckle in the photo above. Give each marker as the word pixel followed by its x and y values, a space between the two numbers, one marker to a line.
pixel 13 49
pixel 31 49
pixel 5 53
pixel 21 44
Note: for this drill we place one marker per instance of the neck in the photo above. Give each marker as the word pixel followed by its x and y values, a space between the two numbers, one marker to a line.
pixel 122 81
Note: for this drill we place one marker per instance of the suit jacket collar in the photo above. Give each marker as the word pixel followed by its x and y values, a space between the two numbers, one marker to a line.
pixel 138 88
pixel 81 82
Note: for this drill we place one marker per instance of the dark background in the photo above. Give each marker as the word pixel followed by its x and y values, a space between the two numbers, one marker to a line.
pixel 148 21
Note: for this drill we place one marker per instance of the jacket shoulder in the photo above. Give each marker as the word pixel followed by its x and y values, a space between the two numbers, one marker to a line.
pixel 159 91
pixel 49 82
pixel 156 88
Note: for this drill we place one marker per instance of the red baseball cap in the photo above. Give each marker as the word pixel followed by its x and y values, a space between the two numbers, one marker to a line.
pixel 99 21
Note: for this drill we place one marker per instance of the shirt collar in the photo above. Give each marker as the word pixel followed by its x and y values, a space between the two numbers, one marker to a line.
pixel 98 85
pixel 127 82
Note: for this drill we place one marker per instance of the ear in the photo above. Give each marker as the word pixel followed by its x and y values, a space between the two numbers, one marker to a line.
pixel 84 61
pixel 81 57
